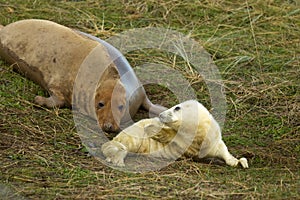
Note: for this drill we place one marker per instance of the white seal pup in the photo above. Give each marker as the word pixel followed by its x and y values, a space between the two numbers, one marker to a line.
pixel 187 129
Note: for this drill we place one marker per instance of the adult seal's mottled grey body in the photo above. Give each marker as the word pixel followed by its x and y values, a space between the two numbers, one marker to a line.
pixel 52 55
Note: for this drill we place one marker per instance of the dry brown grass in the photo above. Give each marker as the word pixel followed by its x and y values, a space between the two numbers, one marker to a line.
pixel 255 44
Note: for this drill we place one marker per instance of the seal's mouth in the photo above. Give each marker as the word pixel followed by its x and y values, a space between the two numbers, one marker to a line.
pixel 110 128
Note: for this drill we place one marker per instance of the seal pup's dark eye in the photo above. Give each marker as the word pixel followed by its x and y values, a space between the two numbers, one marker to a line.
pixel 100 105
pixel 120 107
pixel 177 108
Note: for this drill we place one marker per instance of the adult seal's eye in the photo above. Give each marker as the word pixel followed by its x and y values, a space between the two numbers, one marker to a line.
pixel 177 108
pixel 100 105
pixel 120 107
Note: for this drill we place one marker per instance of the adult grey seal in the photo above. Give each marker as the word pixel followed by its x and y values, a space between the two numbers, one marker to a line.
pixel 51 55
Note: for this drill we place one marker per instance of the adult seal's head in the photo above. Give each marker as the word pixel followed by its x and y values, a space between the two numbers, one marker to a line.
pixel 119 93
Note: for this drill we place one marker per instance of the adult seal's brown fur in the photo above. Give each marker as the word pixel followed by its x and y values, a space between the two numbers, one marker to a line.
pixel 52 55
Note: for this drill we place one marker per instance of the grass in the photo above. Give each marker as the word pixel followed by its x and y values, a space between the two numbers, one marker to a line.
pixel 255 45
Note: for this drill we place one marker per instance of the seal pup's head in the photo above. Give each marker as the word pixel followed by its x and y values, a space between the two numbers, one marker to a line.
pixel 184 115
pixel 187 118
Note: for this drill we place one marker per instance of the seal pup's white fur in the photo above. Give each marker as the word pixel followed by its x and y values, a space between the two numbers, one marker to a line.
pixel 186 129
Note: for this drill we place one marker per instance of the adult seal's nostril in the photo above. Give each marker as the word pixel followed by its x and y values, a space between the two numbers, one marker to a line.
pixel 108 126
